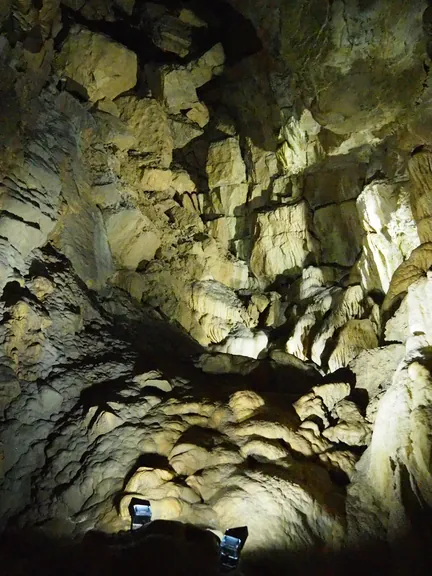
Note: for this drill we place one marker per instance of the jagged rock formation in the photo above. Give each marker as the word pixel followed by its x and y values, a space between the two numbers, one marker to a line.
pixel 215 268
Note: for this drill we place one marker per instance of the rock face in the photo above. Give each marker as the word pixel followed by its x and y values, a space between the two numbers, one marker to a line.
pixel 215 274
pixel 102 67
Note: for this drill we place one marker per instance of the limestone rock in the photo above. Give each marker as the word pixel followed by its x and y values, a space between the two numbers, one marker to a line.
pixel 243 342
pixel 225 166
pixel 84 240
pixel 183 131
pixel 182 182
pixel 421 170
pixel 339 231
pixel 171 34
pixel 227 200
pixel 103 67
pixel 351 428
pixel 132 238
pixel 224 363
pixel 310 406
pixel 337 185
pixel 355 336
pixel 199 113
pixel 375 368
pixel 332 394
pixel 150 127
pixel 9 387
pixel 283 243
pixel 156 179
pixel 301 147
pixel 391 233
pixel 176 86
pixel 411 270
pixel 396 328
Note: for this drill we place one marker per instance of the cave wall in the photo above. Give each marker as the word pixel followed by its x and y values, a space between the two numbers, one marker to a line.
pixel 169 190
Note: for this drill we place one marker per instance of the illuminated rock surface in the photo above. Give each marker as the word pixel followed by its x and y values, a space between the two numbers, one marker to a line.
pixel 215 284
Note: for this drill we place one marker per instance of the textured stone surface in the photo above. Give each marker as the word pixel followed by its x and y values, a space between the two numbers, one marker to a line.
pixel 149 125
pixel 132 238
pixel 104 68
pixel 225 165
pixel 215 285
pixel 283 242
pixel 338 229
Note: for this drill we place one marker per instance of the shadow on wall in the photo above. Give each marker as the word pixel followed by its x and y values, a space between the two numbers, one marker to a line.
pixel 175 549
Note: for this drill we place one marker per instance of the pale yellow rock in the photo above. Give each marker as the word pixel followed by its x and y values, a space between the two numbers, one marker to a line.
pixel 186 459
pixel 264 449
pixel 108 106
pixel 106 195
pixel 332 394
pixel 148 478
pixel 156 179
pixel 340 460
pixel 225 166
pixel 199 113
pixel 185 219
pixel 182 182
pixel 188 16
pixel 103 67
pixel 175 86
pixel 210 64
pixel 132 238
pixel 42 287
pixel 301 147
pixel 342 305
pixel 244 404
pixel 350 433
pixel 311 406
pixel 104 424
pixel 391 232
pixel 243 342
pixel 420 168
pixel 227 200
pixel 223 229
pixel 355 336
pixel 150 126
pixel 419 302
pixel 351 429
pixel 145 380
pixel 283 242
pixel 262 164
pixel 261 301
pixel 414 268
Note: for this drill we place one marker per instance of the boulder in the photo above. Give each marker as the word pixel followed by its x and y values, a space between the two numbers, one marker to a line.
pixel 156 179
pixel 171 34
pixel 199 113
pixel 183 130
pixel 225 164
pixel 103 67
pixel 175 86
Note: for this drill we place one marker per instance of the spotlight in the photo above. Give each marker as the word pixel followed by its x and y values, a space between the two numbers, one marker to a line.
pixel 230 547
pixel 140 513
